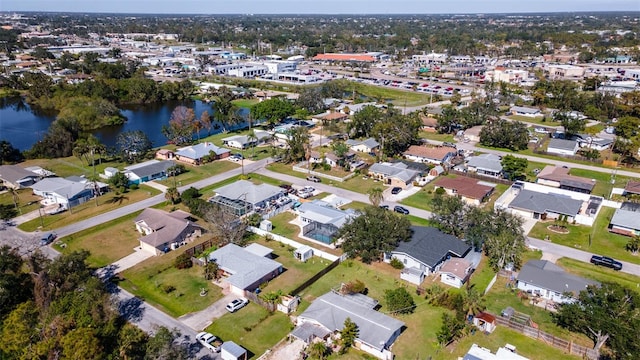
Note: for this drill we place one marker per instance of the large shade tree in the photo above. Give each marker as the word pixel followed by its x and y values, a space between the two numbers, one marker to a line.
pixel 373 233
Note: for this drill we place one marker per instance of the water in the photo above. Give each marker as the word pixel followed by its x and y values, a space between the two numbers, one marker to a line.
pixel 22 126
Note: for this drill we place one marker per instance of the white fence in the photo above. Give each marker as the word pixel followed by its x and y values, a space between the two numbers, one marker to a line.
pixel 293 243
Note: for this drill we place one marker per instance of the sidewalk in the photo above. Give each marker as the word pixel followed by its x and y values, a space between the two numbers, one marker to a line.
pixel 27 217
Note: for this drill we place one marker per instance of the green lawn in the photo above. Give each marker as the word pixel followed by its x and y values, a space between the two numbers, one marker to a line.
pixel 282 227
pixel 531 166
pixel 196 173
pixel 253 328
pixel 602 241
pixel 534 120
pixel 599 273
pixel 526 346
pixel 107 202
pixel 69 166
pixel 436 136
pixel 482 276
pixel 296 272
pixel 422 199
pixel 148 280
pixel 26 201
pixel 107 242
pixel 356 183
pixel 397 97
pixel 603 180
pixel 245 103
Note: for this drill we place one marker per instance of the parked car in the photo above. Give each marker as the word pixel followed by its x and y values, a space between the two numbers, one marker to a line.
pixel 237 304
pixel 209 341
pixel 606 262
pixel 313 178
pixel 47 238
pixel 386 207
pixel 401 210
pixel 396 190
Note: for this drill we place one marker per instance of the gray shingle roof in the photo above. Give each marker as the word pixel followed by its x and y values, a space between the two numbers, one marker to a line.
pixel 246 267
pixel 489 162
pixel 325 214
pixel 167 227
pixel 248 191
pixel 562 144
pixel 525 110
pixel 627 216
pixel 149 168
pixel 14 173
pixel 541 203
pixel 547 275
pixel 233 349
pixel 331 310
pixel 398 170
pixel 431 246
pixel 201 150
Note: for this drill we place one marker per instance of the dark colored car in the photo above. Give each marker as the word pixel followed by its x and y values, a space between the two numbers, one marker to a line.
pixel 386 207
pixel 401 210
pixel 396 190
pixel 47 238
pixel 606 262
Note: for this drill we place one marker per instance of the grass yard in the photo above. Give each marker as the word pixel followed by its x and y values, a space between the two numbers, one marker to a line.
pixel 603 180
pixel 245 103
pixel 500 296
pixel 281 226
pixel 196 173
pixel 526 346
pixel 26 201
pixel 107 242
pixel 397 97
pixel 599 273
pixel 534 120
pixel 531 166
pixel 149 279
pixel 499 190
pixel 71 165
pixel 253 328
pixel 296 272
pixel 422 199
pixel 482 276
pixel 435 136
pixel 602 241
pixel 107 202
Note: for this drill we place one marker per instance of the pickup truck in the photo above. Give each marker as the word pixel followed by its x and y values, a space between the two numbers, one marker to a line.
pixel 606 261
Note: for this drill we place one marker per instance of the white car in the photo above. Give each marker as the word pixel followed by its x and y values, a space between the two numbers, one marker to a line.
pixel 236 304
pixel 208 341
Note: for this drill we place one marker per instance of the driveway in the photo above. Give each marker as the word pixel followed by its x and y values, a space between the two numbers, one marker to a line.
pixel 198 321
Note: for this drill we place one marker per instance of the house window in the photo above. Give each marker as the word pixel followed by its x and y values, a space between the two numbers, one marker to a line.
pixel 404 261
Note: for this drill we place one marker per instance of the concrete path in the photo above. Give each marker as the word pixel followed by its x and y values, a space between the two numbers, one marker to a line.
pixel 28 216
pixel 199 320
pixel 157 186
pixel 131 260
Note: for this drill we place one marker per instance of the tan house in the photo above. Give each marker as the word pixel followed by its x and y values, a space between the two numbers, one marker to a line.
pixel 471 191
pixel 394 174
pixel 429 124
pixel 425 154
pixel 163 231
pixel 455 272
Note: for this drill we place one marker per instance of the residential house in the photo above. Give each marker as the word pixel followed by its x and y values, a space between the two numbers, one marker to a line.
pixel 473 133
pixel 329 158
pixel 394 174
pixel 229 350
pixel 547 280
pixel 164 231
pixel 62 194
pixel 504 353
pixel 626 220
pixel 148 171
pixel 376 331
pixel 322 221
pixel 426 252
pixel 485 322
pixel 594 143
pixel 429 124
pixel 367 145
pixel 16 177
pixel 559 177
pixel 243 269
pixel 455 272
pixel 330 117
pixel 165 154
pixel 471 191
pixel 243 141
pixel 486 165
pixel 434 155
pixel 632 188
pixel 562 147
pixel 244 197
pixel 536 205
pixel 436 171
pixel 196 154
pixel 525 111
pixel 352 109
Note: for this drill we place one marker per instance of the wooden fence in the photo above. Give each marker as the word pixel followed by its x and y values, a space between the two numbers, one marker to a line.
pixel 315 277
pixel 562 344
pixel 258 300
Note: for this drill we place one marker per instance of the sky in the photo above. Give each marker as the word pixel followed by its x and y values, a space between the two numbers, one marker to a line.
pixel 318 6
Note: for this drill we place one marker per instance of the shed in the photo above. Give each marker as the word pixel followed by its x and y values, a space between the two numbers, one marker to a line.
pixel 232 351
pixel 110 171
pixel 485 322
pixel 303 253
pixel 266 225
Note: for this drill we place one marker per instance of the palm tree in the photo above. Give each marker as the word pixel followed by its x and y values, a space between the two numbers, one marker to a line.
pixel 633 245
pixel 318 350
pixel 251 136
pixel 376 195
pixel 172 195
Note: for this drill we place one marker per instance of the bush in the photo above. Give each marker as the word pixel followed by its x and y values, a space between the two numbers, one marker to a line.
pixel 440 191
pixel 183 261
pixel 134 186
pixel 353 287
pixel 190 193
pixel 396 263
pixel 168 288
pixel 399 301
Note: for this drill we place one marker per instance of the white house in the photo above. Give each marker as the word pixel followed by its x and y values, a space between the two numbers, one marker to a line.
pixel 525 111
pixel 562 147
pixel 455 272
pixel 69 192
pixel 243 141
pixel 547 280
pixel 367 145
